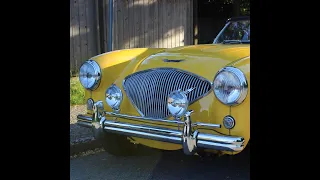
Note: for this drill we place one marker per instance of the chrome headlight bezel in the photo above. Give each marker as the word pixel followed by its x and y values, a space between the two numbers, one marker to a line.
pixel 242 83
pixel 97 74
pixel 116 105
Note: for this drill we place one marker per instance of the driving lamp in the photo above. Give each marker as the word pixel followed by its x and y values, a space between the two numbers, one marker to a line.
pixel 114 97
pixel 177 103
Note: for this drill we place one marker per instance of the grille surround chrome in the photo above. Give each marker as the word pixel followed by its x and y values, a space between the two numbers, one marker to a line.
pixel 159 110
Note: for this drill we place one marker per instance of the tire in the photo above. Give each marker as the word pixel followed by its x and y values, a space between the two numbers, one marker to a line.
pixel 118 145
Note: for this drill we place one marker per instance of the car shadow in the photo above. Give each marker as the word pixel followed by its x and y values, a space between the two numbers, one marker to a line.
pixel 176 165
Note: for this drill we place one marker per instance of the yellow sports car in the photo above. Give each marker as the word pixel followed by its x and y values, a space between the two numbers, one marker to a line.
pixel 195 98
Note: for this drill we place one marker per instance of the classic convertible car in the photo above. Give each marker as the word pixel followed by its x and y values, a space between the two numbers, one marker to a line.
pixel 192 98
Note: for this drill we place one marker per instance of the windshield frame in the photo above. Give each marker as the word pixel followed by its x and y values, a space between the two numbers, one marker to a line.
pixel 225 26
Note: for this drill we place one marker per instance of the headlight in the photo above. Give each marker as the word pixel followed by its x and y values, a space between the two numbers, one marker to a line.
pixel 90 74
pixel 230 86
pixel 177 103
pixel 114 97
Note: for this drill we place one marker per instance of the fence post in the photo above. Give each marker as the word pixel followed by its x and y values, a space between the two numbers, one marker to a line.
pixel 110 25
pixel 100 16
pixel 95 9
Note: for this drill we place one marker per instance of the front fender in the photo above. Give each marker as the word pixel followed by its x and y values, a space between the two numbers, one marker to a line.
pixel 112 64
pixel 242 111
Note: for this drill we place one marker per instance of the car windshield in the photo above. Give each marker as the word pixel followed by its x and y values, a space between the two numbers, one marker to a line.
pixel 234 32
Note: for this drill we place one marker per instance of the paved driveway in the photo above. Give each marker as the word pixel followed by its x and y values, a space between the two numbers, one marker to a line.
pixel 159 165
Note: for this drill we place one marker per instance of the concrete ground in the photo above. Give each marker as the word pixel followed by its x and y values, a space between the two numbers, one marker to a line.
pixel 157 165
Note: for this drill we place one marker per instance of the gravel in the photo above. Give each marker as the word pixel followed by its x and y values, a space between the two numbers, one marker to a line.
pixel 87 153
pixel 78 134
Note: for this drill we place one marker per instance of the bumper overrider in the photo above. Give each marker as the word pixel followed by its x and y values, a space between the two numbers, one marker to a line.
pixel 189 139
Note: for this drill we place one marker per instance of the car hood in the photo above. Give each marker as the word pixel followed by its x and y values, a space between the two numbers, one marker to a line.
pixel 203 60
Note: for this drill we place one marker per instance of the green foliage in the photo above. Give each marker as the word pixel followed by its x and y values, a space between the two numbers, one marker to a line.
pixel 76 92
pixel 227 1
pixel 245 7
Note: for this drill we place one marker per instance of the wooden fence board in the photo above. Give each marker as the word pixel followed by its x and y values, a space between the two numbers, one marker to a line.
pixel 136 23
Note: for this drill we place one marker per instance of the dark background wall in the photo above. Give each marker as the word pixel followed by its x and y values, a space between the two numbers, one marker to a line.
pixel 212 16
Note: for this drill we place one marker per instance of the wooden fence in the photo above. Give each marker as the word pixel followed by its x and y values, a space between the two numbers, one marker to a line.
pixel 136 23
pixel 83 32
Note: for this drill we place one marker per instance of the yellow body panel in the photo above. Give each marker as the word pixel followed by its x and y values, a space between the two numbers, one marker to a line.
pixel 201 60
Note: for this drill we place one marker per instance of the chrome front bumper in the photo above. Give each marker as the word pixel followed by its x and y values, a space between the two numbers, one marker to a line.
pixel 190 140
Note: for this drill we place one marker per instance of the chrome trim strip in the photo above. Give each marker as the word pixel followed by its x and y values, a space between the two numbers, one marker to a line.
pixel 143 118
pixel 152 120
pixel 84 121
pixel 207 125
pixel 220 138
pixel 218 146
pixel 81 117
pixel 144 128
pixel 197 124
pixel 157 137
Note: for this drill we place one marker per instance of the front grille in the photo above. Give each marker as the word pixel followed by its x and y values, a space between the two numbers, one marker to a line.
pixel 148 90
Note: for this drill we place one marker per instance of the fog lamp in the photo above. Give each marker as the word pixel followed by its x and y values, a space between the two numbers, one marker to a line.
pixel 114 97
pixel 177 103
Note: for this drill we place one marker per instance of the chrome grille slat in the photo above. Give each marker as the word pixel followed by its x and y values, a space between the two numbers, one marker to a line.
pixel 189 83
pixel 170 83
pixel 143 91
pixel 134 94
pixel 149 95
pixel 184 84
pixel 190 95
pixel 197 83
pixel 136 90
pixel 164 88
pixel 197 89
pixel 202 90
pixel 148 90
pixel 158 97
pixel 166 92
